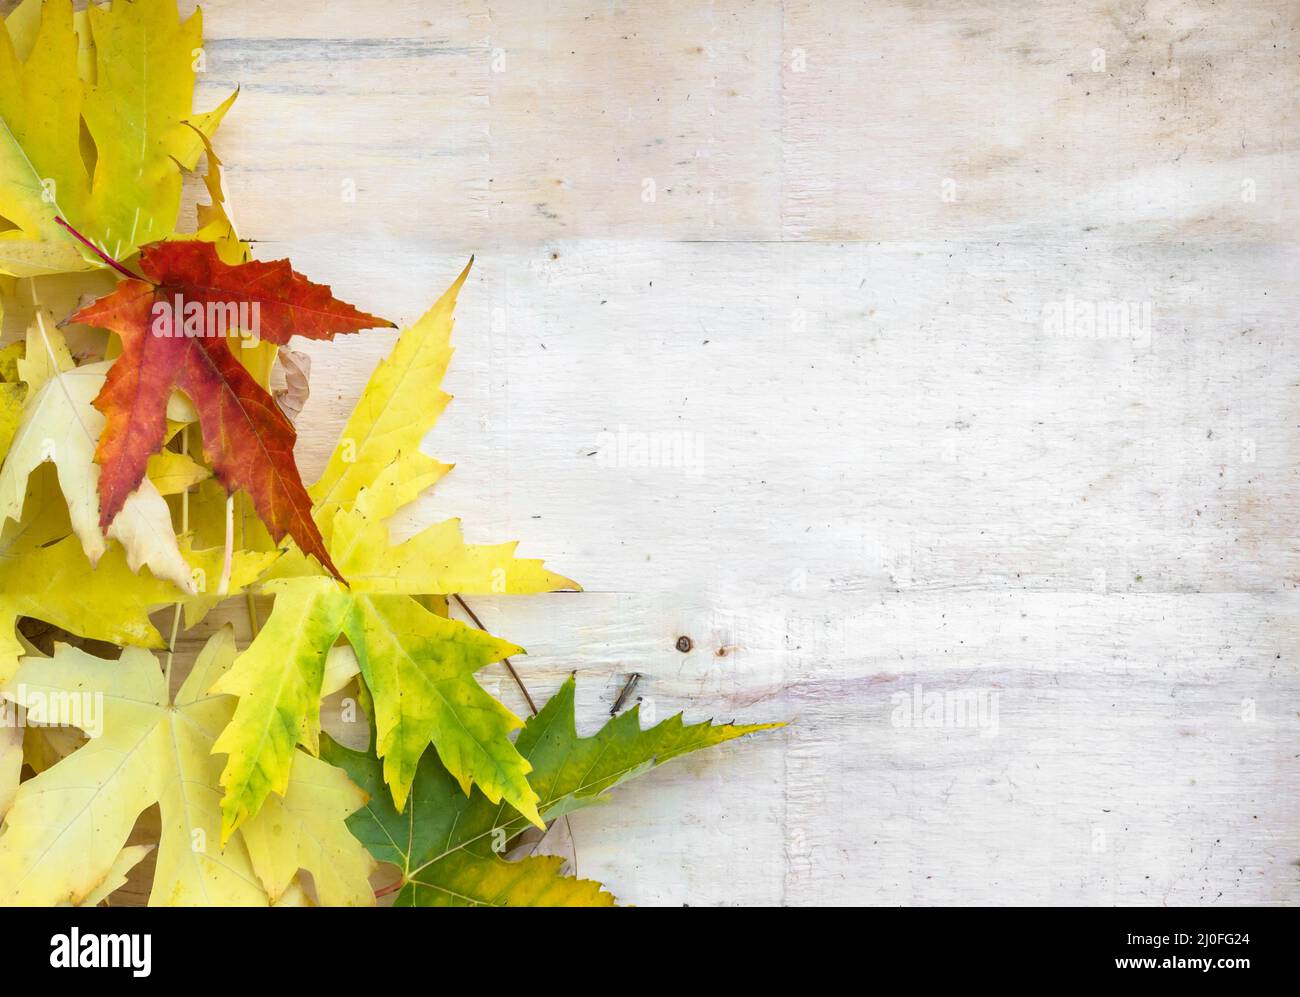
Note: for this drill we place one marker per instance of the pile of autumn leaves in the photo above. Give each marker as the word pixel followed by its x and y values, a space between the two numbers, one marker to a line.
pixel 148 473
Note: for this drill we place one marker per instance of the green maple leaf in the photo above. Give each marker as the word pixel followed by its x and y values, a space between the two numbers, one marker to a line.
pixel 449 845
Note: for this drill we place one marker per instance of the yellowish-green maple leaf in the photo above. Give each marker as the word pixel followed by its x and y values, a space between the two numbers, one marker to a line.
pixel 68 825
pixel 417 665
pixel 449 847
pixel 127 71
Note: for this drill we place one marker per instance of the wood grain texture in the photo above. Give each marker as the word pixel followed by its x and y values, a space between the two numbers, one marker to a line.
pixel 878 465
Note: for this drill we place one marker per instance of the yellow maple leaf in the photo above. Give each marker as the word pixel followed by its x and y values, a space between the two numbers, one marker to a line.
pixel 64 834
pixel 45 574
pixel 12 395
pixel 127 859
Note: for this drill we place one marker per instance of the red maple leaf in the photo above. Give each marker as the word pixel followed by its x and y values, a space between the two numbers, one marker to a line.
pixel 175 327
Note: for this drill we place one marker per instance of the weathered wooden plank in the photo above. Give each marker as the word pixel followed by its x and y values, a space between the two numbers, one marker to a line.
pixel 832 417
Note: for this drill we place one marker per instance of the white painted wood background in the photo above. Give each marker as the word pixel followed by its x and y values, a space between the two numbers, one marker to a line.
pixel 894 475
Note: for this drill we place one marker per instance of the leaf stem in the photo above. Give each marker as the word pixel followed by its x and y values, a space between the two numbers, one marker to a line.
pixel 100 253
pixel 506 661
pixel 185 528
pixel 171 650
pixel 223 587
pixel 185 494
pixel 253 625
